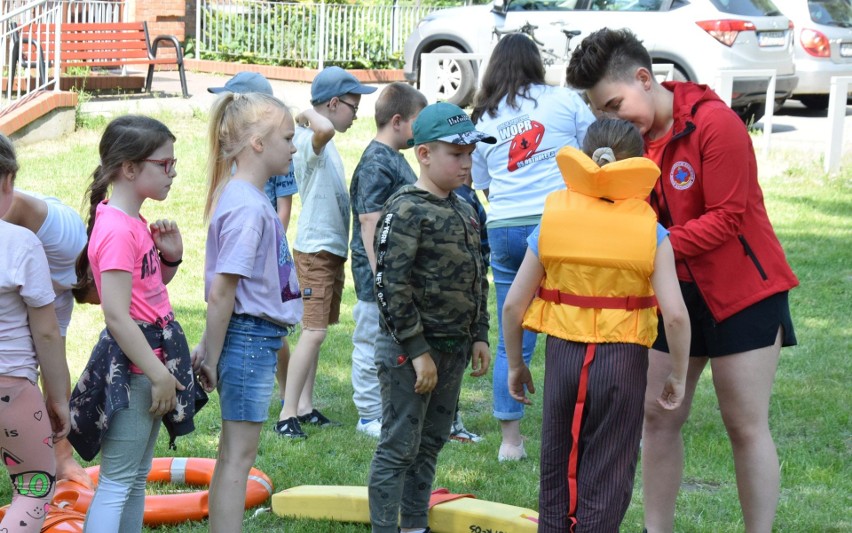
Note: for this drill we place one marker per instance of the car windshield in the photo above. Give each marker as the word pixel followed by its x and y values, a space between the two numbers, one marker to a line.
pixel 747 8
pixel 625 5
pixel 831 12
pixel 541 5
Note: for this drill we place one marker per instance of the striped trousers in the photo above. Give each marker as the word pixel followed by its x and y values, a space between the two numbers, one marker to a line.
pixel 598 392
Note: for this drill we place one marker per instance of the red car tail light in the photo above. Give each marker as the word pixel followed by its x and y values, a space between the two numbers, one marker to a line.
pixel 726 30
pixel 815 43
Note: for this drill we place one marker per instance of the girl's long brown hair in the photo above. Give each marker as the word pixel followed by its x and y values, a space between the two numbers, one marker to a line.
pixel 514 67
pixel 126 138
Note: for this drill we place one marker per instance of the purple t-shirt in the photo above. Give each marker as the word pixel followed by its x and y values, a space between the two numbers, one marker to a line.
pixel 246 238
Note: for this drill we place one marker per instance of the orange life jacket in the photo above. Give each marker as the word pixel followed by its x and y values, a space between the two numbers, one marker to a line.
pixel 597 244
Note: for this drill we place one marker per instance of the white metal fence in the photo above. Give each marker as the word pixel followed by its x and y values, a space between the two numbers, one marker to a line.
pixel 27 67
pixel 305 33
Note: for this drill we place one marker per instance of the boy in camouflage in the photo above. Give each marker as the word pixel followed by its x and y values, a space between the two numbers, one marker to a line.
pixel 432 294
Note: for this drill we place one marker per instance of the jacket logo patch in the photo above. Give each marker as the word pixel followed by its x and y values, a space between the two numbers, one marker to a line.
pixel 682 175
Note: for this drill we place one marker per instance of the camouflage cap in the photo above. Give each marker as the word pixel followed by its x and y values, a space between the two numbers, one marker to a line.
pixel 448 123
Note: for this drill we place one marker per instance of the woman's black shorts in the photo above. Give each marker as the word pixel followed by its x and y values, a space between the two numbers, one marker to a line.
pixel 752 328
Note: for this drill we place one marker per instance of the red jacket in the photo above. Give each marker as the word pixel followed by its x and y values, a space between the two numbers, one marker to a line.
pixel 709 198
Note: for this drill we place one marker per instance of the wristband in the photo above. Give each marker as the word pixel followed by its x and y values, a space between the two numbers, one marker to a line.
pixel 169 263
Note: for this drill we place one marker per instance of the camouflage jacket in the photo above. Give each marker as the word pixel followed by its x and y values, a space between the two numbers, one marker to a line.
pixel 430 279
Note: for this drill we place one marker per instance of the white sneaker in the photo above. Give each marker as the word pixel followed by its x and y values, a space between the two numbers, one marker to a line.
pixel 460 434
pixel 371 427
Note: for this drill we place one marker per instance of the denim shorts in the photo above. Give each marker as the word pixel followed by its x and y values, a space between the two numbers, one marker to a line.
pixel 247 368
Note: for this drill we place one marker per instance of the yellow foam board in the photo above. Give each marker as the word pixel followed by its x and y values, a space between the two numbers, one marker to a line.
pixel 350 504
pixel 323 502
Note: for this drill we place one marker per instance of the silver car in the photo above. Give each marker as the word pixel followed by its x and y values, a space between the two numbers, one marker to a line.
pixel 699 37
pixel 822 44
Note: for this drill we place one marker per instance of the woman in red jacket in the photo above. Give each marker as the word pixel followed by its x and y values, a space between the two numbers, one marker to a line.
pixel 733 272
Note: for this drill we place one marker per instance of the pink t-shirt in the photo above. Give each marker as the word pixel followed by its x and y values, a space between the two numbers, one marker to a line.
pixel 121 242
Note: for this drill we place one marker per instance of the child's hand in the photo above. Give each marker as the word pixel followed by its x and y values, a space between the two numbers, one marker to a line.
pixel 197 356
pixel 167 239
pixel 60 423
pixel 163 397
pixel 427 374
pixel 672 395
pixel 518 377
pixel 480 359
pixel 208 377
pixel 302 120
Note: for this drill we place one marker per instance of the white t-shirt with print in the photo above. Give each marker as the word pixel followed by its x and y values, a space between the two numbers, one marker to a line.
pixel 520 169
pixel 324 220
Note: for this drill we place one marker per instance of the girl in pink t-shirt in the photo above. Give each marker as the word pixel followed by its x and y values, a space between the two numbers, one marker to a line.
pixel 130 261
pixel 29 340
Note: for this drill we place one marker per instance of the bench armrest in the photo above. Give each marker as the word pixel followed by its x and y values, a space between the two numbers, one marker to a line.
pixel 168 38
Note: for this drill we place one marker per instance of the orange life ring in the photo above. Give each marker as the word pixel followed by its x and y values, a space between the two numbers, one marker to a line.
pixel 58 520
pixel 169 508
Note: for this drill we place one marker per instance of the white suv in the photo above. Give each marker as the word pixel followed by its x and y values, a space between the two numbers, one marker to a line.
pixel 823 46
pixel 699 37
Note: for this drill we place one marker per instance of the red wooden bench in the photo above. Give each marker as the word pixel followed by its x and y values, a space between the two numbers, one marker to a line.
pixel 95 45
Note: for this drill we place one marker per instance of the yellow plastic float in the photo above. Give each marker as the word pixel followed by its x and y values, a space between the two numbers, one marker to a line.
pixel 448 513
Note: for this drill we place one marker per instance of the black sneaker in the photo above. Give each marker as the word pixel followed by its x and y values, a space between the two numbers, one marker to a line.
pixel 290 428
pixel 317 419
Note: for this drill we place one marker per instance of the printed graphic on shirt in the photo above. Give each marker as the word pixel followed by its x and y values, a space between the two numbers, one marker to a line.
pixel 150 263
pixel 682 176
pixel 526 135
pixel 289 283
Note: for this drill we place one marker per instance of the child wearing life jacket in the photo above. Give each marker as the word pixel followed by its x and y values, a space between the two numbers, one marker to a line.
pixel 596 270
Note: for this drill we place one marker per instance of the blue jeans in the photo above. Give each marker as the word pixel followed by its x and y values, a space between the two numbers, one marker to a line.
pixel 508 247
pixel 247 368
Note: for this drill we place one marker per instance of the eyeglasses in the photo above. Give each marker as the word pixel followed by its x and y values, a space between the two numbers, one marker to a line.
pixel 354 108
pixel 167 164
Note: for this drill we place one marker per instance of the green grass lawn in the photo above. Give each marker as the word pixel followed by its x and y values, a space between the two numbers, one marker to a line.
pixel 810 409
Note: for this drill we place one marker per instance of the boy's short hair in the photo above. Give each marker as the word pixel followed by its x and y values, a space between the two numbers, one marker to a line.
pixel 398 98
pixel 606 53
pixel 447 123
pixel 335 82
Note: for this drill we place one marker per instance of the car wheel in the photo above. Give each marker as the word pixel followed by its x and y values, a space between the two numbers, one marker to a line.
pixel 456 79
pixel 818 102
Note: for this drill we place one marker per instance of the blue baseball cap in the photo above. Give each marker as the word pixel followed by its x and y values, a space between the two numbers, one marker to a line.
pixel 334 81
pixel 448 123
pixel 245 82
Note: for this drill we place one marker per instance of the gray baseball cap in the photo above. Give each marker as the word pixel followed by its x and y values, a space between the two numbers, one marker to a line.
pixel 245 82
pixel 334 81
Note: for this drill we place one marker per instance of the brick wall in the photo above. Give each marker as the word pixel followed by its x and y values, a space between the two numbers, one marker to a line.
pixel 190 18
pixel 164 17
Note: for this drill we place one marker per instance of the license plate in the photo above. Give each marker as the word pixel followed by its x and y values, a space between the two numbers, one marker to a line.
pixel 772 38
pixel 846 50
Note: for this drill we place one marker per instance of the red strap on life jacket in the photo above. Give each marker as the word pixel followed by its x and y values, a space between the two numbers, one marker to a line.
pixel 628 303
pixel 576 424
